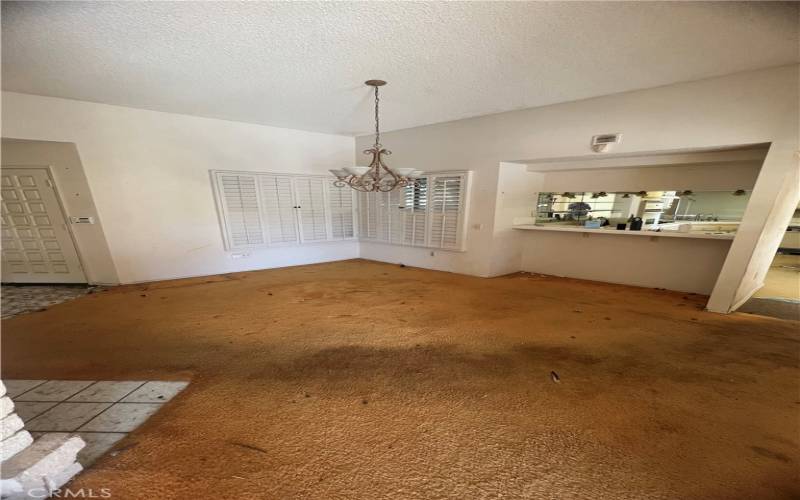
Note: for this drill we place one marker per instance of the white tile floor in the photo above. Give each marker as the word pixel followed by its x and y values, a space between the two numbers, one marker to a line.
pixel 101 412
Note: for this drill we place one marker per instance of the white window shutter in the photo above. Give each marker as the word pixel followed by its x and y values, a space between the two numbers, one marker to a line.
pixel 240 208
pixel 342 209
pixel 432 214
pixel 368 205
pixel 446 206
pixel 376 216
pixel 311 208
pixel 415 210
pixel 384 216
pixel 396 215
pixel 278 209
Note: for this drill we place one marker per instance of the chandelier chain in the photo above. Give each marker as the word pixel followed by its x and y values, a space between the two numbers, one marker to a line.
pixel 377 120
pixel 377 177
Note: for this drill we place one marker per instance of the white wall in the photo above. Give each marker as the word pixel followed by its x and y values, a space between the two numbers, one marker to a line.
pixel 516 199
pixel 148 173
pixel 745 108
pixel 76 198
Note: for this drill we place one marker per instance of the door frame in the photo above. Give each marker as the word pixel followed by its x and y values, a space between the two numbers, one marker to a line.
pixel 48 169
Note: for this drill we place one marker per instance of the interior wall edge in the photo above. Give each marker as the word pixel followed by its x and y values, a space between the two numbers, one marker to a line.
pixel 772 202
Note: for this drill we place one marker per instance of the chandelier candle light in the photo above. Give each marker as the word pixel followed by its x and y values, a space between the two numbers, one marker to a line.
pixel 377 176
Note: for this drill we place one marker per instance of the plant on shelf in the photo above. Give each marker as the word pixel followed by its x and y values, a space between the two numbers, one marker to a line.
pixel 578 209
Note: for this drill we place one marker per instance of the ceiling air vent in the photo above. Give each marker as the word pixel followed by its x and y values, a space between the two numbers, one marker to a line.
pixel 601 143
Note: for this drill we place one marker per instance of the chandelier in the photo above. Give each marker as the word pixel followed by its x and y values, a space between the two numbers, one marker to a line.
pixel 377 176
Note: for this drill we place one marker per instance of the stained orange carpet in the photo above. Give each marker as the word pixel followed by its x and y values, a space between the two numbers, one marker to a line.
pixel 365 380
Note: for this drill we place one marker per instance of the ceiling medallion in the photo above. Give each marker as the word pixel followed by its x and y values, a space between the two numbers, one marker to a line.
pixel 377 176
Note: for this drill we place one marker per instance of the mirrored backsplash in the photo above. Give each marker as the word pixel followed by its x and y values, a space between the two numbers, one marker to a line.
pixel 686 211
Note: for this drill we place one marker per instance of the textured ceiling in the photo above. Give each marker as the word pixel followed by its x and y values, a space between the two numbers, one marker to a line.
pixel 301 64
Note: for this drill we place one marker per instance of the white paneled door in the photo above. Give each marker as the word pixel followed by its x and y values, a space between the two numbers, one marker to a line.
pixel 36 244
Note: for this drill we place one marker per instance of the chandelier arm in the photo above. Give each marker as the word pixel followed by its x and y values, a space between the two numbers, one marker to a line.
pixel 352 181
pixel 389 170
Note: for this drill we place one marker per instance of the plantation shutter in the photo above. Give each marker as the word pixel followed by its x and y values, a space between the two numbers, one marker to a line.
pixel 431 214
pixel 341 212
pixel 415 213
pixel 311 208
pixel 384 216
pixel 446 206
pixel 278 208
pixel 396 215
pixel 368 215
pixel 239 200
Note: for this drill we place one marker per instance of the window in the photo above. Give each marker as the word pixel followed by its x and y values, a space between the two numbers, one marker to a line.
pixel 240 204
pixel 687 211
pixel 265 209
pixel 432 214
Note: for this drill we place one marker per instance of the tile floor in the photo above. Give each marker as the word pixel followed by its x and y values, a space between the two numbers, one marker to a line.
pixel 100 412
pixel 780 295
pixel 19 299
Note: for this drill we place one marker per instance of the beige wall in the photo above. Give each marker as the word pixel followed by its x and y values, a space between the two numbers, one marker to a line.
pixel 76 198
pixel 683 264
pixel 516 198
pixel 759 107
pixel 728 177
pixel 689 265
pixel 148 172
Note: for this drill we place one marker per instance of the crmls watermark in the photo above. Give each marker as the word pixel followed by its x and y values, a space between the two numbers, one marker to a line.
pixel 70 493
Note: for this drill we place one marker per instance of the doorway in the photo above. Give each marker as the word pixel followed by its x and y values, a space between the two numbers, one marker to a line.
pixel 780 295
pixel 37 246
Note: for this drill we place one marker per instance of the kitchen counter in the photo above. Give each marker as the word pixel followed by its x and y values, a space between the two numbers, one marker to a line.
pixel 615 232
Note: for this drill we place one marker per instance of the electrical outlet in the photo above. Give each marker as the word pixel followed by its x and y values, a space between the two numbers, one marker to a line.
pixel 433 254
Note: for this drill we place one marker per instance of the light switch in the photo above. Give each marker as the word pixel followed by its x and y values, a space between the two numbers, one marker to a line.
pixel 82 220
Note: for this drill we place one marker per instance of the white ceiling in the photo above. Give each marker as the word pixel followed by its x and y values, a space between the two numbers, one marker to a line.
pixel 301 64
